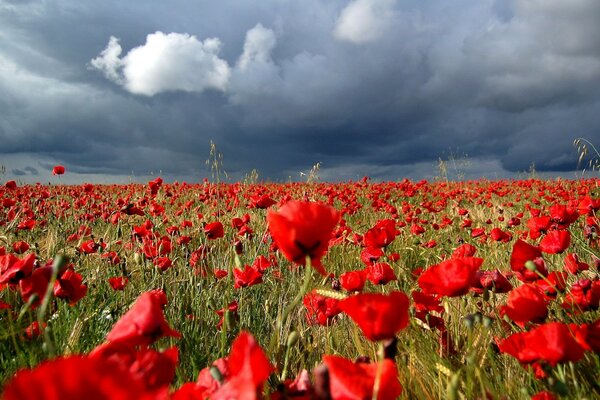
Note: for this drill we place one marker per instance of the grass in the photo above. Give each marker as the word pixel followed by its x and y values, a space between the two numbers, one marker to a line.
pixel 476 370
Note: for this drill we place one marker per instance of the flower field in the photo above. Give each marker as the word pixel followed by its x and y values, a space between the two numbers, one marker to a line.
pixel 357 290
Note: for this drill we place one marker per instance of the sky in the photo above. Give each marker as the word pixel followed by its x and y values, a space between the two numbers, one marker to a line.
pixel 121 91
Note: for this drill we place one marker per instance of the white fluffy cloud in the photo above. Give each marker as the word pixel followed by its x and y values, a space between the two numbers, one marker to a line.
pixel 258 45
pixel 364 20
pixel 166 62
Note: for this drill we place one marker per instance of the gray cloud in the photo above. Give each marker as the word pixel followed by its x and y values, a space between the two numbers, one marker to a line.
pixel 281 86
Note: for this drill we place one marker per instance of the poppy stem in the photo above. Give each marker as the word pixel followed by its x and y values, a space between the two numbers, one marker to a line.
pixel 380 358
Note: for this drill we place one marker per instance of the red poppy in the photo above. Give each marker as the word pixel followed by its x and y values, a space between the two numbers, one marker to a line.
pixel 153 369
pixel 381 235
pixel 13 269
pixel 573 265
pixel 379 316
pixel 320 309
pixel 214 230
pixel 491 280
pixel 555 241
pixel 380 273
pixel 370 255
pixel 538 225
pixel 450 278
pixel 10 185
pixel 521 254
pixel 249 368
pixel 554 282
pixel 143 324
pixel 58 170
pixel 163 263
pixel 246 277
pixel 464 250
pixel 544 395
pixel 69 286
pixel 89 247
pixel 349 380
pixel 232 309
pixel 302 229
pixel 261 201
pixel 353 281
pixel 77 377
pixel 552 343
pixel 118 282
pixel 205 385
pixel 584 295
pixel 526 303
pixel 20 247
pixel 36 284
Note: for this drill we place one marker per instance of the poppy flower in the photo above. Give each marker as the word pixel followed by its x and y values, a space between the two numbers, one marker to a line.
pixel 77 377
pixel 349 380
pixel 584 295
pixel 381 235
pixel 249 368
pixel 69 286
pixel 58 170
pixel 554 282
pixel 301 229
pixel 573 265
pixel 246 277
pixel 13 269
pixel 163 263
pixel 555 241
pixel 11 185
pixel 499 235
pixel 153 369
pixel 453 277
pixel 491 280
pixel 36 284
pixel 214 230
pixel 261 201
pixel 232 309
pixel 538 225
pixel 143 324
pixel 320 309
pixel 552 343
pixel 521 254
pixel 526 303
pixel 20 247
pixel 353 281
pixel 379 316
pixel 380 273
pixel 118 282
pixel 205 385
pixel 464 250
pixel 370 255
pixel 426 303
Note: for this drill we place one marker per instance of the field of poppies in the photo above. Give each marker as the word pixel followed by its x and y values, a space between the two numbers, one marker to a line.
pixel 357 290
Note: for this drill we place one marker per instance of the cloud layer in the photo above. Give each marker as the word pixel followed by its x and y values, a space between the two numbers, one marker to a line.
pixel 166 62
pixel 378 87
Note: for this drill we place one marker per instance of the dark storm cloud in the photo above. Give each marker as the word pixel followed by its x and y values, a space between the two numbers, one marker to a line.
pixel 367 87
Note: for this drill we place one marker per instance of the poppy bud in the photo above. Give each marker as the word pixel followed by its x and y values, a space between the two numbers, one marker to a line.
pixel 469 321
pixel 530 265
pixel 216 374
pixel 487 321
pixel 452 388
pixel 137 258
pixel 292 338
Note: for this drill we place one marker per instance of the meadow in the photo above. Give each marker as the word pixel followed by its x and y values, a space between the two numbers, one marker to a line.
pixel 356 290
